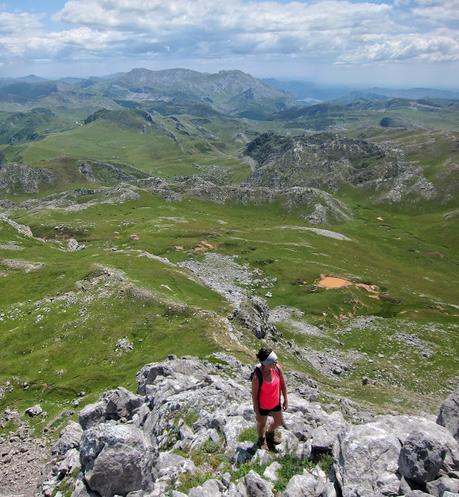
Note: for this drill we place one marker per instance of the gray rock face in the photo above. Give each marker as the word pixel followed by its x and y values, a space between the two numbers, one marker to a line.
pixel 116 459
pixel 449 414
pixel 18 178
pixel 129 442
pixel 442 485
pixel 256 486
pixel 367 458
pixel 69 439
pixel 324 436
pixel 253 314
pixel 115 404
pixel 331 161
pixel 148 374
pixel 421 458
pixel 309 484
pixel 210 488
pixel 368 455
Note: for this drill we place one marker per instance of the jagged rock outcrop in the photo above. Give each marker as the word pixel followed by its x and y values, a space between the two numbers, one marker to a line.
pixel 135 445
pixel 253 314
pixel 18 178
pixel 105 172
pixel 330 161
pixel 449 414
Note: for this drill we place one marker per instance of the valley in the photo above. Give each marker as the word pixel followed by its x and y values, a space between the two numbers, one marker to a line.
pixel 136 223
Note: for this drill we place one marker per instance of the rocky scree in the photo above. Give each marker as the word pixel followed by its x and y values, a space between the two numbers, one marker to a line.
pixel 146 444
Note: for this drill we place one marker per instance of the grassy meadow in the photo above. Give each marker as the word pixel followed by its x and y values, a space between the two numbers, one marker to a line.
pixel 63 313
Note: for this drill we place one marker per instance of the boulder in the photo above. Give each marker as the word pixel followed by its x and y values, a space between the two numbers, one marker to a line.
pixel 210 488
pixel 33 411
pixel 324 436
pixel 114 404
pixel 367 456
pixel 271 471
pixel 256 486
pixel 442 485
pixel 245 451
pixel 367 461
pixel 449 414
pixel 70 463
pixel 421 458
pixel 309 484
pixel 69 439
pixel 116 459
pixel 170 465
pixel 121 403
pixel 92 414
pixel 186 367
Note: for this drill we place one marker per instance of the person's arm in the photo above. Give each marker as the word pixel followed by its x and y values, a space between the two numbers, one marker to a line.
pixel 256 407
pixel 283 387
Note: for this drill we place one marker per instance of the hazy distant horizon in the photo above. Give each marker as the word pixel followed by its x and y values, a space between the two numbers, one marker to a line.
pixel 356 43
pixel 281 78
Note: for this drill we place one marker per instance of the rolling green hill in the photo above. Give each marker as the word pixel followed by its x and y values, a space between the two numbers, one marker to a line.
pixel 128 259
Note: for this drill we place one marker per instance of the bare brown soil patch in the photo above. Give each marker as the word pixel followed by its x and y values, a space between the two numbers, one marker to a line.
pixel 333 282
pixel 203 246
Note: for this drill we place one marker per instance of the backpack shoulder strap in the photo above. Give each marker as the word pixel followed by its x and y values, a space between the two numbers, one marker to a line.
pixel 257 372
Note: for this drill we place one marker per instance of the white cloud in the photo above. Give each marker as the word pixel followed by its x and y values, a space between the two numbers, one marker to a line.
pixel 336 31
pixel 439 11
pixel 438 46
pixel 19 23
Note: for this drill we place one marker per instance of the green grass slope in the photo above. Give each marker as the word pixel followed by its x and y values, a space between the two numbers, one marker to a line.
pixel 61 321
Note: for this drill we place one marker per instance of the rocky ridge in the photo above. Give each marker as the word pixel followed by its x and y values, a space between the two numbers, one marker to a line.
pixel 330 161
pixel 18 178
pixel 178 427
pixel 313 205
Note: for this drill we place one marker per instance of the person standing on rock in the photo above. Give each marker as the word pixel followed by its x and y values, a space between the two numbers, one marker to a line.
pixel 267 385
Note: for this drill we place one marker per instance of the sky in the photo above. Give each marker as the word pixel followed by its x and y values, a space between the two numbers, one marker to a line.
pixel 399 43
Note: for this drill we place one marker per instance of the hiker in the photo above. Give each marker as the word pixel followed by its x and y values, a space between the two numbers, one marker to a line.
pixel 267 384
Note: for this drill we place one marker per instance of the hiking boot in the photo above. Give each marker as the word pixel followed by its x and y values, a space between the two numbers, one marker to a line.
pixel 261 443
pixel 270 441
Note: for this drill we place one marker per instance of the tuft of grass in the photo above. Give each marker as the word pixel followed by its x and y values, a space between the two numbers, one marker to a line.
pixel 290 466
pixel 248 435
pixel 187 481
pixel 244 468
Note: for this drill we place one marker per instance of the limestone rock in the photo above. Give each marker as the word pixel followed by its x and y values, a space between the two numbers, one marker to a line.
pixel 309 484
pixel 271 471
pixel 367 458
pixel 74 246
pixel 256 486
pixel 210 488
pixel 443 484
pixel 421 458
pixel 69 439
pixel 33 411
pixel 116 459
pixel 91 415
pixel 253 314
pixel 114 404
pixel 449 414
pixel 324 436
pixel 368 455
